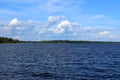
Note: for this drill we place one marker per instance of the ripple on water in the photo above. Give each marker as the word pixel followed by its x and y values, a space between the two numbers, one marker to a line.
pixel 60 62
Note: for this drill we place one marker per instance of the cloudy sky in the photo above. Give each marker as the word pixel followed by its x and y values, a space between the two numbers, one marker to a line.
pixel 60 19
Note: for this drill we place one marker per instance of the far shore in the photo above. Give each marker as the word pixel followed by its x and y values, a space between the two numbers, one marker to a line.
pixel 4 40
pixel 59 41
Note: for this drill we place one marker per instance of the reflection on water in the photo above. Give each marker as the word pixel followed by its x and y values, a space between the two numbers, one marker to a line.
pixel 59 61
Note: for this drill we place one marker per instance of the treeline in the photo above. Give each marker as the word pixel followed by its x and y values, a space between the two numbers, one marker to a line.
pixel 59 41
pixel 69 41
pixel 8 40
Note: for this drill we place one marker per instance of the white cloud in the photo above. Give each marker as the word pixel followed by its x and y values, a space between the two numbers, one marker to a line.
pixel 49 26
pixel 53 20
pixel 56 26
pixel 13 22
pixel 58 30
pixel 65 25
pixel 104 33
pixel 16 24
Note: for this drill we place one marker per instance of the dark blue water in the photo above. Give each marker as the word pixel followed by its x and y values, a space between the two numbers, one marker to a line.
pixel 60 61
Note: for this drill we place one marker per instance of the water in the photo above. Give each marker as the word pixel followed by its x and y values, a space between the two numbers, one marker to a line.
pixel 60 61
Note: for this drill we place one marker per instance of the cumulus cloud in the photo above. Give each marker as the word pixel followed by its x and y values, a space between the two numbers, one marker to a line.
pixel 13 22
pixel 16 24
pixel 19 29
pixel 65 26
pixel 67 23
pixel 54 19
pixel 62 26
pixel 55 26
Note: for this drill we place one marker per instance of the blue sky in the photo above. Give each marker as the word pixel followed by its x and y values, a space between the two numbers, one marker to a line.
pixel 60 19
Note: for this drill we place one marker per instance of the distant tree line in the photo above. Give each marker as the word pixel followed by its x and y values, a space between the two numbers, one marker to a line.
pixel 68 41
pixel 8 40
pixel 74 41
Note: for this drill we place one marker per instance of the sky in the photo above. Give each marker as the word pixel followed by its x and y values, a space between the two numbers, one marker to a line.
pixel 34 20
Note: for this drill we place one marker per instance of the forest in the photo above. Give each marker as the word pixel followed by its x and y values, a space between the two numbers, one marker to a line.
pixel 8 40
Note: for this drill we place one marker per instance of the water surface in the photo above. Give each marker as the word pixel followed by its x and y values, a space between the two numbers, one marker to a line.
pixel 60 61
